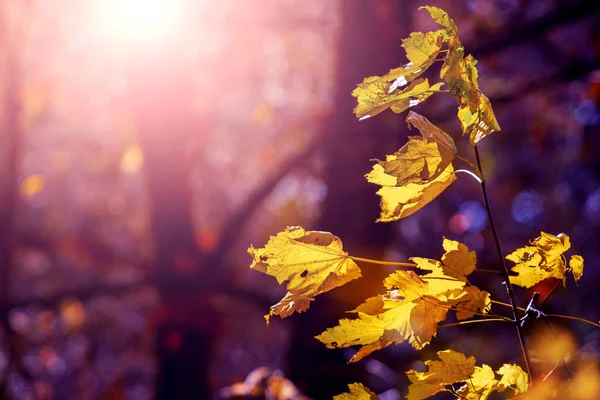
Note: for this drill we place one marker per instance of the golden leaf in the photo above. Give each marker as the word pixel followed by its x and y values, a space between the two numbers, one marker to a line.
pixel 400 202
pixel 411 308
pixel 541 260
pixel 376 94
pixel 452 367
pixel 357 392
pixel 513 377
pixel 311 262
pixel 408 312
pixel 441 17
pixel 576 265
pixel 480 385
pixel 430 131
pixel 473 301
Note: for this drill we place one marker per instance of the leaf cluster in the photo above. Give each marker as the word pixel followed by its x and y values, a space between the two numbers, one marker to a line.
pixel 422 293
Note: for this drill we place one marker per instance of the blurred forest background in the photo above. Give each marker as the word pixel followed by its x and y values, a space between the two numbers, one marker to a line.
pixel 145 144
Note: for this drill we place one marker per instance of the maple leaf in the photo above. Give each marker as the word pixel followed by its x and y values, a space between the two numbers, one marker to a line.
pixel 411 308
pixel 400 202
pixel 441 17
pixel 480 385
pixel 543 259
pixel 407 312
pixel 452 367
pixel 478 382
pixel 311 262
pixel 420 160
pixel 374 96
pixel 576 265
pixel 357 392
pixel 475 111
pixel 513 377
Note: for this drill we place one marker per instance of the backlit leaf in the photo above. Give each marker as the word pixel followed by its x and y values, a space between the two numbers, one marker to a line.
pixel 473 301
pixel 478 382
pixel 430 131
pixel 311 262
pixel 474 109
pixel 452 367
pixel 400 202
pixel 407 312
pixel 420 160
pixel 441 17
pixel 513 377
pixel 541 260
pixel 480 385
pixel 576 265
pixel 374 95
pixel 410 310
pixel 357 392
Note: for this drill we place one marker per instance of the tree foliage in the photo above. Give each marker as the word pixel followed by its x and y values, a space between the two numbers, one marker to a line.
pixel 422 294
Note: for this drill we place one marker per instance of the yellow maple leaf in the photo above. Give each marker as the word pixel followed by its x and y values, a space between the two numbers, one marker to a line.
pixel 541 260
pixel 375 94
pixel 441 17
pixel 411 308
pixel 407 312
pixel 480 385
pixel 357 392
pixel 452 367
pixel 513 377
pixel 576 265
pixel 311 262
pixel 420 160
pixel 430 131
pixel 400 202
pixel 478 382
pixel 475 110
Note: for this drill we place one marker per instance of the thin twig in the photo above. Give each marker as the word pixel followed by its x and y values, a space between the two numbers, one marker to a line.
pixel 509 290
pixel 473 321
pixel 380 262
pixel 574 318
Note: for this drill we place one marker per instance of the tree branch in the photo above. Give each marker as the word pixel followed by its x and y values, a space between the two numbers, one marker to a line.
pixel 505 270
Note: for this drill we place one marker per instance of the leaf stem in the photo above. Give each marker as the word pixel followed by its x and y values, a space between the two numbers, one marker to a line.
pixel 466 171
pixel 575 318
pixel 473 321
pixel 470 164
pixel 488 271
pixel 380 262
pixel 509 290
pixel 506 305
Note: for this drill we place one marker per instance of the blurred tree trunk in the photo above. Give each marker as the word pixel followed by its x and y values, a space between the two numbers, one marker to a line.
pixel 186 330
pixel 11 138
pixel 369 44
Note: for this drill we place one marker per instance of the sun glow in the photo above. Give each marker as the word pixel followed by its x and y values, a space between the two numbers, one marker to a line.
pixel 140 21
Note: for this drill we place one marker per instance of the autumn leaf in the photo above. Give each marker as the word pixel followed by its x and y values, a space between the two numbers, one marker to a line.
pixel 513 377
pixel 430 131
pixel 475 110
pixel 441 17
pixel 477 382
pixel 420 160
pixel 311 262
pixel 410 310
pixel 543 259
pixel 576 265
pixel 480 385
pixel 374 96
pixel 357 392
pixel 407 312
pixel 452 367
pixel 400 202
